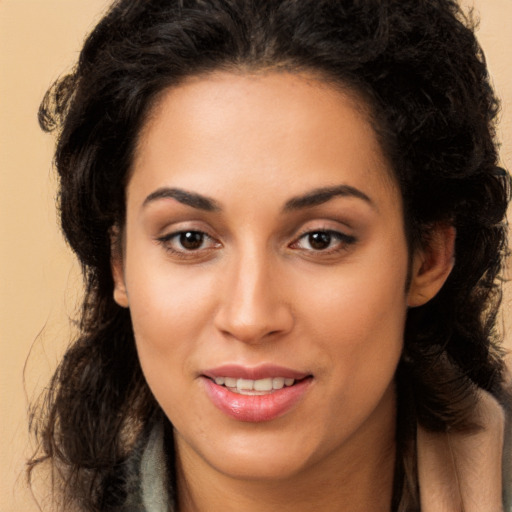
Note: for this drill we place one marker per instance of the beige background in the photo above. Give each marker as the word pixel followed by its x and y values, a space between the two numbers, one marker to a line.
pixel 39 281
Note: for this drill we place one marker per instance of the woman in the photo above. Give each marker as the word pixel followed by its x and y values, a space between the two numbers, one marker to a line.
pixel 291 224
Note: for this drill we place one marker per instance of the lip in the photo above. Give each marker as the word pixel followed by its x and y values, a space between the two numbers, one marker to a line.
pixel 253 373
pixel 255 408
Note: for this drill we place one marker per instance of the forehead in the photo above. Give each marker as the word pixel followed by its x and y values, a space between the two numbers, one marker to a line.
pixel 259 128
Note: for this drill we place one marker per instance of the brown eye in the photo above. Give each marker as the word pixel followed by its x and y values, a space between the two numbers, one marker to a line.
pixel 319 240
pixel 191 240
pixel 324 241
pixel 188 244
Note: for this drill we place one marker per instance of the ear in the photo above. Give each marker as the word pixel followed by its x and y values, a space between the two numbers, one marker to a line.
pixel 117 267
pixel 432 265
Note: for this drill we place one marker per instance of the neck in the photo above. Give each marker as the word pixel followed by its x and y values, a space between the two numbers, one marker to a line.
pixel 362 490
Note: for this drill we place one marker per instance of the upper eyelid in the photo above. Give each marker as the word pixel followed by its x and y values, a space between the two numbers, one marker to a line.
pixel 175 233
pixel 326 230
pixel 182 226
pixel 342 235
pixel 334 226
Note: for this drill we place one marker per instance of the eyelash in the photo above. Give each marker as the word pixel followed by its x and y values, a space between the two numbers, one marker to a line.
pixel 344 241
pixel 167 240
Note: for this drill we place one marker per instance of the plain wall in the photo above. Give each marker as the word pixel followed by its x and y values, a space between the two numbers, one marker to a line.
pixel 39 281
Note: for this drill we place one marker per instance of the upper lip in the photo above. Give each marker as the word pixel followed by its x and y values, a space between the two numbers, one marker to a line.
pixel 253 372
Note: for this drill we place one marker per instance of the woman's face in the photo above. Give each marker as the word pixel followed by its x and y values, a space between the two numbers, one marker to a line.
pixel 265 266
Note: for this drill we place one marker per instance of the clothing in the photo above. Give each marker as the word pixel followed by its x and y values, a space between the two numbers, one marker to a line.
pixel 467 472
pixel 456 472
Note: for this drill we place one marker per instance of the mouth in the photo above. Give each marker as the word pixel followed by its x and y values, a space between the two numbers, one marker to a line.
pixel 255 394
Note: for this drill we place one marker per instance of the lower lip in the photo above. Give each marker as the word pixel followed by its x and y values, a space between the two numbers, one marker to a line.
pixel 256 408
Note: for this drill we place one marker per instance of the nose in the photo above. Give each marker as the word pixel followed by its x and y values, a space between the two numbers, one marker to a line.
pixel 252 308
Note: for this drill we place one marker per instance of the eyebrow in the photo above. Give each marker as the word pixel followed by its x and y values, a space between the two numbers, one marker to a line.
pixel 192 199
pixel 323 195
pixel 315 197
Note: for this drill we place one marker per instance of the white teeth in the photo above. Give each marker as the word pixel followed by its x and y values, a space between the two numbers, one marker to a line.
pixel 278 382
pixel 254 387
pixel 230 382
pixel 245 384
pixel 263 385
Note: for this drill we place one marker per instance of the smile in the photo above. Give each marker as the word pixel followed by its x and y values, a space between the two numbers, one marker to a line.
pixel 256 394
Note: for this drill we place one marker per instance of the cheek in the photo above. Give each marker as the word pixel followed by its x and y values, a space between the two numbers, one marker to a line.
pixel 364 296
pixel 170 308
pixel 359 312
pixel 169 316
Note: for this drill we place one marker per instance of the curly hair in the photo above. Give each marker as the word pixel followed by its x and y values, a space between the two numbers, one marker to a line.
pixel 419 68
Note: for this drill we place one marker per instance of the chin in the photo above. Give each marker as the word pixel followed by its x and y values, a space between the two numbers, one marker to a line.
pixel 261 468
pixel 260 456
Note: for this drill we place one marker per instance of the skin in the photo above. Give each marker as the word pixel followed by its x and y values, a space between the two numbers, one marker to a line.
pixel 257 291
